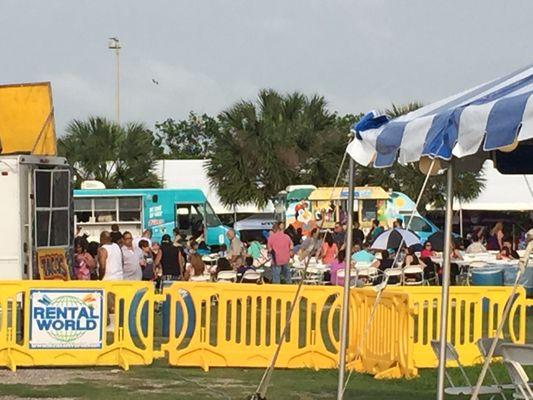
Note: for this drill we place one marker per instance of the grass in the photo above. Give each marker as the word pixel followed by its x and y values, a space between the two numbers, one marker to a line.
pixel 162 382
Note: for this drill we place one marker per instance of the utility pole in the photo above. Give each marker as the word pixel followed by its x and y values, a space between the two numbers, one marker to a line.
pixel 114 44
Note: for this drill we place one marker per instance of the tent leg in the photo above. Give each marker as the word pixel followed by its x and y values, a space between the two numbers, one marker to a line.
pixel 346 293
pixel 461 223
pixel 445 282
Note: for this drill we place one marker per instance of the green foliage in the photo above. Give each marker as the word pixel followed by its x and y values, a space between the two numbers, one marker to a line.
pixel 279 140
pixel 191 138
pixel 118 156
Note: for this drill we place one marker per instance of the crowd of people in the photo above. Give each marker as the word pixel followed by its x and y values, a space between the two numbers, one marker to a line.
pixel 121 256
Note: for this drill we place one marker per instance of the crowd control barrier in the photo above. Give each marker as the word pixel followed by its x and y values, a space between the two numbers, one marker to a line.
pixel 76 323
pixel 56 323
pixel 407 319
pixel 474 313
pixel 239 325
pixel 379 342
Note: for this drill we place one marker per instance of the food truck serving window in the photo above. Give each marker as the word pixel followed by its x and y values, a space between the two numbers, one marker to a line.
pixel 52 207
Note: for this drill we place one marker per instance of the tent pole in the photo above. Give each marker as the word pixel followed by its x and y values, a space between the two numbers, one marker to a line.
pixel 346 292
pixel 445 282
pixel 461 222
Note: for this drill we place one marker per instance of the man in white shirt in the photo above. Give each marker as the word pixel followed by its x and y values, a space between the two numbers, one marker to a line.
pixel 132 258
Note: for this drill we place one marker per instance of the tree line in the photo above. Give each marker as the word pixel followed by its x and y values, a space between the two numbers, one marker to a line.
pixel 256 148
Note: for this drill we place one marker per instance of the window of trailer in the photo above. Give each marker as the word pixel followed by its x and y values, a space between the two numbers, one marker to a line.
pixel 52 207
pixel 108 209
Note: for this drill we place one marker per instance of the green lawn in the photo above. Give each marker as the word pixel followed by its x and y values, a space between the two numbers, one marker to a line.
pixel 160 382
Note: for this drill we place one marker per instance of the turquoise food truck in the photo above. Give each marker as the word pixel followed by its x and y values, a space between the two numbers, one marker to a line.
pixel 160 210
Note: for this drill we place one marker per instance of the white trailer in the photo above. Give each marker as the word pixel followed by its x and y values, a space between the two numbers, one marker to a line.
pixel 36 216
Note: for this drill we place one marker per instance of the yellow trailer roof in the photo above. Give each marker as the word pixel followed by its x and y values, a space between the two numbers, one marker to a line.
pixel 360 192
pixel 27 119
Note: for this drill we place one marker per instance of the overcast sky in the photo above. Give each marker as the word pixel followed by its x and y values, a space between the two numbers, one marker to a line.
pixel 208 54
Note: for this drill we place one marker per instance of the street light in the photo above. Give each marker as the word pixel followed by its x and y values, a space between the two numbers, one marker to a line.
pixel 114 44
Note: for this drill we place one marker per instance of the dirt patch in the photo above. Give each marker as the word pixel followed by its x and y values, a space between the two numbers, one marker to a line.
pixel 35 398
pixel 55 376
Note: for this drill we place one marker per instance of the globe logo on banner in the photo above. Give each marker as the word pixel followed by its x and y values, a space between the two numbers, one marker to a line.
pixel 66 318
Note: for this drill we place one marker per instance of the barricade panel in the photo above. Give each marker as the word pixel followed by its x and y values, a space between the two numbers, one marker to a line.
pixel 56 323
pixel 474 312
pixel 240 325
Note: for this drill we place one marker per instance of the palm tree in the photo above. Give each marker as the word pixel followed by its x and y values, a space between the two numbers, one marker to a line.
pixel 118 156
pixel 262 147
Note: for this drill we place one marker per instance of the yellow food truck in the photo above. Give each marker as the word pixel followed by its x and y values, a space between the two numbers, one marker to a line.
pixel 330 204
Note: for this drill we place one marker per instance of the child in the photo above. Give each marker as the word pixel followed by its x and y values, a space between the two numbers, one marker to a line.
pixel 147 263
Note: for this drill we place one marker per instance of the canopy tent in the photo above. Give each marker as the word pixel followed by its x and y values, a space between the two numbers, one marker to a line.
pixel 191 174
pixel 487 121
pixel 256 222
pixel 491 116
pixel 495 196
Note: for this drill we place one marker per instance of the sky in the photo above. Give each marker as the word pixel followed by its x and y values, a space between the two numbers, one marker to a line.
pixel 207 55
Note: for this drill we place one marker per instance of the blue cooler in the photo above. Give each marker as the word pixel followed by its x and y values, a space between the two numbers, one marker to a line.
pixel 487 276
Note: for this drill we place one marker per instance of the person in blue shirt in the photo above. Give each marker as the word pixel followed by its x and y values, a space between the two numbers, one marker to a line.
pixel 362 255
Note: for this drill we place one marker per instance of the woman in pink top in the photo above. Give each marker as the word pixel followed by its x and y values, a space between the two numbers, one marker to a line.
pixel 329 250
pixel 338 264
pixel 428 251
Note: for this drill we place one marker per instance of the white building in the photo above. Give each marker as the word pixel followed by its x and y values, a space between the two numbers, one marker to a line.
pixel 191 174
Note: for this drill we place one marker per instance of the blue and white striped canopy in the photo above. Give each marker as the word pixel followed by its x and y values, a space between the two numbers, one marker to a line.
pixel 492 115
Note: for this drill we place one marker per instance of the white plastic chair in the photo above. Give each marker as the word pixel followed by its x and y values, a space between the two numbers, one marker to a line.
pixel 252 276
pixel 394 276
pixel 367 275
pixel 413 275
pixel 353 277
pixel 227 276
pixel 200 278
pixel 314 276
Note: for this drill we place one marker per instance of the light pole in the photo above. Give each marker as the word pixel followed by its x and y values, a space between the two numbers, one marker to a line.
pixel 114 44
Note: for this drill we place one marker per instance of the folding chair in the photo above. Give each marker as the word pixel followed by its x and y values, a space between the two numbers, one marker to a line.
pixel 367 275
pixel 394 276
pixel 520 380
pixel 227 276
pixel 313 276
pixel 468 389
pixel 251 276
pixel 483 346
pixel 200 278
pixel 521 354
pixel 413 275
pixel 340 276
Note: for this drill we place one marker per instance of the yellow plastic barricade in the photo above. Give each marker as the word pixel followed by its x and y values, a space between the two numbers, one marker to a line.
pixel 56 323
pixel 380 347
pixel 239 325
pixel 474 313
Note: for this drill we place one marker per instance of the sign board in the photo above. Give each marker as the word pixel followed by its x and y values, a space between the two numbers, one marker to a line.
pixel 358 194
pixel 52 264
pixel 66 319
